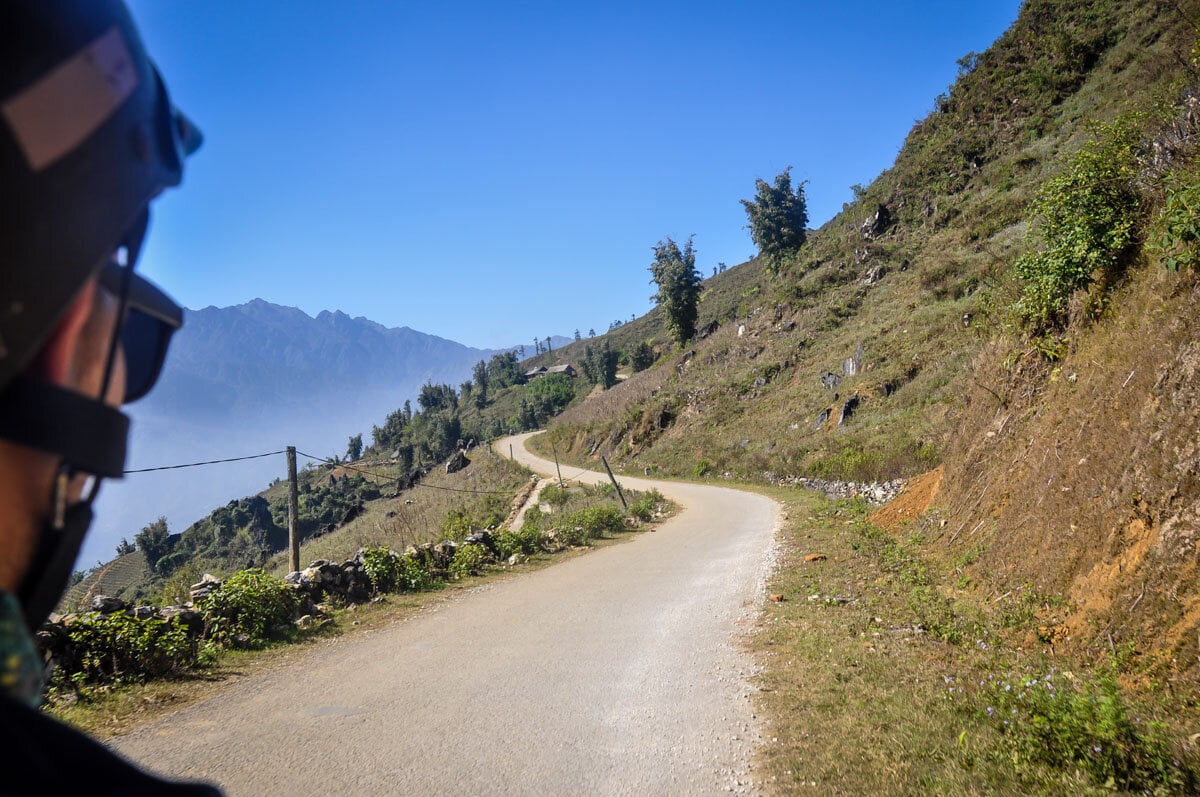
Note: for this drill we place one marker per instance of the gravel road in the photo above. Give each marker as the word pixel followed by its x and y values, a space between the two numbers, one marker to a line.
pixel 617 672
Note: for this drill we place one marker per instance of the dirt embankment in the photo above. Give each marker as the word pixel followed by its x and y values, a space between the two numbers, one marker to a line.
pixel 1081 479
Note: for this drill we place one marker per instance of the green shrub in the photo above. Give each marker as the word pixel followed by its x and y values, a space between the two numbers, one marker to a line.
pixel 414 576
pixel 250 603
pixel 456 524
pixel 1176 231
pixel 554 495
pixel 597 520
pixel 527 541
pixel 701 469
pixel 533 518
pixel 1086 219
pixel 644 508
pixel 119 648
pixel 468 561
pixel 382 566
pixel 1086 726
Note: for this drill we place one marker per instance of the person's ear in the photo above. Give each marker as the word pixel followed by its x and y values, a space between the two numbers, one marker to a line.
pixel 53 363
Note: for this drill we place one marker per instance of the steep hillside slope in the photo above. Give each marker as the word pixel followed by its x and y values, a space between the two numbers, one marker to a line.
pixel 891 344
pixel 888 283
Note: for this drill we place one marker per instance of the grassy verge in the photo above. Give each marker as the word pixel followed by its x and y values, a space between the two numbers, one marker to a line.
pixel 884 672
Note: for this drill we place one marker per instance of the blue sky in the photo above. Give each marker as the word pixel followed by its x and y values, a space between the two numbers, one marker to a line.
pixel 493 172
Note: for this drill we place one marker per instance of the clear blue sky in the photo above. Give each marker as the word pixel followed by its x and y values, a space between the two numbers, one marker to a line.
pixel 492 172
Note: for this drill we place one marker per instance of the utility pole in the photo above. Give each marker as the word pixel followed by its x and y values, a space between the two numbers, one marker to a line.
pixel 293 509
pixel 612 478
pixel 556 467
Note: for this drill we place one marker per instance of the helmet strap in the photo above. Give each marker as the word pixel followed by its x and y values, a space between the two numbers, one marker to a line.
pixel 58 546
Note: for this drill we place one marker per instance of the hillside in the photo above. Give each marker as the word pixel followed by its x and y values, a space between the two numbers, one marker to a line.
pixel 1069 446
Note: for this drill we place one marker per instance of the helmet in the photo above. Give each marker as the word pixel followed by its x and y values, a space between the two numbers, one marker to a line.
pixel 87 138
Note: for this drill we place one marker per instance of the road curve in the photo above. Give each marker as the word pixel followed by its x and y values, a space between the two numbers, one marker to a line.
pixel 618 672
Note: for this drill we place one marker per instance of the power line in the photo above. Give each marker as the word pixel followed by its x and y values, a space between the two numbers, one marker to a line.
pixel 419 484
pixel 209 462
pixel 318 459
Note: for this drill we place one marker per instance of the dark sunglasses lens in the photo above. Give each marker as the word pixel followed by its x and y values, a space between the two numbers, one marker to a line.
pixel 145 340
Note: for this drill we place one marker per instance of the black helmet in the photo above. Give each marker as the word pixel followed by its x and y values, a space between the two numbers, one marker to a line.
pixel 87 138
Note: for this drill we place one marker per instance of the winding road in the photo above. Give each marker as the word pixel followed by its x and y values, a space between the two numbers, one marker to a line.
pixel 618 672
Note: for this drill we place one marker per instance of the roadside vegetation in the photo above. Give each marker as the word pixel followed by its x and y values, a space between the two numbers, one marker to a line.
pixel 107 664
pixel 885 673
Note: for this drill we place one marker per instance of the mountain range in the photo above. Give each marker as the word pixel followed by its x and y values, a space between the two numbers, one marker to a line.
pixel 255 378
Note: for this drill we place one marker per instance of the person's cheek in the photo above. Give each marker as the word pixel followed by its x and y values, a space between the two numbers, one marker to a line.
pixel 115 395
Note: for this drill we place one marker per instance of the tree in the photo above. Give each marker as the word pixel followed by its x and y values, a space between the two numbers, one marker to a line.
pixel 591 333
pixel 154 541
pixel 125 547
pixel 589 365
pixel 642 357
pixel 437 397
pixel 674 271
pixel 354 448
pixel 578 336
pixel 504 370
pixel 607 364
pixel 778 218
pixel 481 384
pixel 548 346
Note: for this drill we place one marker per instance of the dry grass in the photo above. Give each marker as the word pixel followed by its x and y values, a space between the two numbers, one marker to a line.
pixel 870 664
pixel 482 490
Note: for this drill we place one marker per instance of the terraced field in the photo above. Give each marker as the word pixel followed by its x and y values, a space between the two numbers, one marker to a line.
pixel 112 578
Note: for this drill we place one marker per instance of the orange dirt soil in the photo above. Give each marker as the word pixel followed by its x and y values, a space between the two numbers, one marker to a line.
pixel 911 503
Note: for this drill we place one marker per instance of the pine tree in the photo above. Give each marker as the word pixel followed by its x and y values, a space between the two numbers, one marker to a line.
pixel 674 271
pixel 480 393
pixel 778 218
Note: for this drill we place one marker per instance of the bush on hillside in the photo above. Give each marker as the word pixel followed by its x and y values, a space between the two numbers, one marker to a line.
pixel 414 576
pixel 528 540
pixel 644 507
pixel 1176 234
pixel 468 561
pixel 119 648
pixel 1086 219
pixel 382 566
pixel 248 608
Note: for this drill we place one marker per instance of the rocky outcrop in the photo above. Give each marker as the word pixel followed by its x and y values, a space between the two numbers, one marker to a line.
pixel 457 462
pixel 876 224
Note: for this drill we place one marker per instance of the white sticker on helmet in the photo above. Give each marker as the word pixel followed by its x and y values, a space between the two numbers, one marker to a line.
pixel 52 117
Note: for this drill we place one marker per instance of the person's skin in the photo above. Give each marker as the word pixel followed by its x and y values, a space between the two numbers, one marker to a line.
pixel 74 357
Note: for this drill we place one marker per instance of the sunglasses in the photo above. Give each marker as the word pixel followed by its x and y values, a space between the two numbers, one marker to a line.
pixel 150 319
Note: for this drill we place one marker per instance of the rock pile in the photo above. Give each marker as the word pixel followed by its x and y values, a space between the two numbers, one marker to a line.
pixel 874 492
pixel 323 579
pixel 346 582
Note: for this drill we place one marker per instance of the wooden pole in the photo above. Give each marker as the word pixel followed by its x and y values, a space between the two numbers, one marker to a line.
pixel 620 494
pixel 293 509
pixel 511 458
pixel 556 467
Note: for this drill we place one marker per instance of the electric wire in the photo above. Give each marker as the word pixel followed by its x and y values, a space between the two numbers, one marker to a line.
pixel 318 459
pixel 208 462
